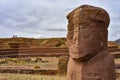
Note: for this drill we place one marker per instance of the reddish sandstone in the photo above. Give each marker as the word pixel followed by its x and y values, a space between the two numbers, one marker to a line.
pixel 87 42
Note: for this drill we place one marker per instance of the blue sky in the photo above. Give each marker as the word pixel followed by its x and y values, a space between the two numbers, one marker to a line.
pixel 47 18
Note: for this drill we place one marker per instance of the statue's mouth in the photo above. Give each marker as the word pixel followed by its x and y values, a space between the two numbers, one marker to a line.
pixel 85 57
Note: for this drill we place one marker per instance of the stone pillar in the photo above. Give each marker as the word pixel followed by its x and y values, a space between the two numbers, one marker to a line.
pixel 87 43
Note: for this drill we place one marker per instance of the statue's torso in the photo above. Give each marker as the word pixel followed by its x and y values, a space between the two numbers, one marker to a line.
pixel 98 68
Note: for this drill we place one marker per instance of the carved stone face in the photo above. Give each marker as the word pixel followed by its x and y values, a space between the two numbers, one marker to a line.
pixel 89 36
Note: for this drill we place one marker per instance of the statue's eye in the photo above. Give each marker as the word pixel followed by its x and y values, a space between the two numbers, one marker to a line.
pixel 85 32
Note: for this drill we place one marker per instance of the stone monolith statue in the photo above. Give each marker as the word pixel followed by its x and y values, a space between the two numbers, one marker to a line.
pixel 87 43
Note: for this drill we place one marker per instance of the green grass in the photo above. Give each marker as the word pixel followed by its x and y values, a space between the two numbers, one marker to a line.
pixel 8 76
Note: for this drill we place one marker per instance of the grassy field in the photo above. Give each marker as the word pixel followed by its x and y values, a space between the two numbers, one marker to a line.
pixel 31 63
pixel 8 76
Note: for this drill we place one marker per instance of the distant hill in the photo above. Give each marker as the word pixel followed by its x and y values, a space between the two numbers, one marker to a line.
pixel 117 41
pixel 33 43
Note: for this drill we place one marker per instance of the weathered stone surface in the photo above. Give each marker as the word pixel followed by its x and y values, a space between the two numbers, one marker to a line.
pixel 62 65
pixel 87 42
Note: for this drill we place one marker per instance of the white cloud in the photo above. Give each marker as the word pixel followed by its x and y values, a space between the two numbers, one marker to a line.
pixel 33 18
